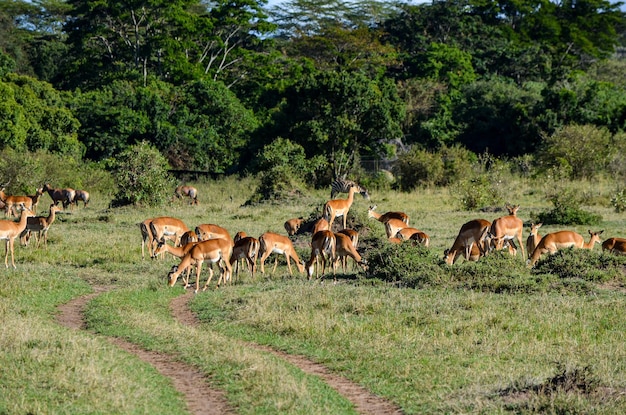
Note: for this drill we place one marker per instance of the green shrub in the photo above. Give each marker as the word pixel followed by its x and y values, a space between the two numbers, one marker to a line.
pixel 618 200
pixel 486 184
pixel 405 265
pixel 141 173
pixel 418 168
pixel 582 264
pixel 567 210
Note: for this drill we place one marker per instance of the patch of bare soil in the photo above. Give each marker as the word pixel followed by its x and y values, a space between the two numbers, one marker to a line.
pixel 364 401
pixel 200 398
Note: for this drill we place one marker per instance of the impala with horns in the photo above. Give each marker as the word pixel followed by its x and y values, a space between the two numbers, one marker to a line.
pixel 471 233
pixel 507 228
pixel 10 230
pixel 214 251
pixel 274 243
pixel 322 247
pixel 339 208
pixel 384 217
pixel 552 242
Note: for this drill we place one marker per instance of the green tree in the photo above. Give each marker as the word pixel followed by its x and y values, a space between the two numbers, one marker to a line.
pixel 335 113
pixel 142 178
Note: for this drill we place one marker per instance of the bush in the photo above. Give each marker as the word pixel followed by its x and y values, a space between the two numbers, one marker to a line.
pixel 582 264
pixel 418 168
pixel 487 184
pixel 141 173
pixel 567 211
pixel 618 200
pixel 583 150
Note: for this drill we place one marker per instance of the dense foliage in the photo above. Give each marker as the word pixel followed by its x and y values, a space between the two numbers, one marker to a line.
pixel 211 84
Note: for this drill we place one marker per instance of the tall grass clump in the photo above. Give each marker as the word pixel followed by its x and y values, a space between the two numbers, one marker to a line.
pixel 583 264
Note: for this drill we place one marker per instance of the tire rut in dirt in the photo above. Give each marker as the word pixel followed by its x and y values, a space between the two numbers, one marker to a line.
pixel 364 401
pixel 199 397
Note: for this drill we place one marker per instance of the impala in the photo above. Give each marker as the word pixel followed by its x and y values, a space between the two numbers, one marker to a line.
pixel 146 237
pixel 245 248
pixel 533 239
pixel 167 227
pixel 215 251
pixel 384 217
pixel 39 224
pixel 210 231
pixel 344 248
pixel 507 228
pixel 615 246
pixel 414 235
pixel 188 237
pixel 281 245
pixel 552 242
pixel 292 226
pixel 393 226
pixel 354 237
pixel 471 233
pixel 81 195
pixel 321 225
pixel 11 202
pixel 65 196
pixel 322 246
pixel 10 230
pixel 189 191
pixel 339 208
pixel 179 252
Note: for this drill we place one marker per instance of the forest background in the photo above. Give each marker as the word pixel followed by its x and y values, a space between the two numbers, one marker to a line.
pixel 303 91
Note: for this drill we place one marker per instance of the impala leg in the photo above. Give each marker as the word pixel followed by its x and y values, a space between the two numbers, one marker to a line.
pixel 275 264
pixel 6 254
pixel 288 263
pixel 12 256
pixel 198 271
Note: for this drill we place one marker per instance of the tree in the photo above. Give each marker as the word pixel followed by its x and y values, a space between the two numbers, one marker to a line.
pixel 336 113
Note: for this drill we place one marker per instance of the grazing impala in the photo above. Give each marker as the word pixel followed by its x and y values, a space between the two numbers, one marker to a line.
pixel 322 246
pixel 354 237
pixel 533 239
pixel 393 226
pixel 471 233
pixel 292 226
pixel 321 225
pixel 281 245
pixel 167 227
pixel 210 231
pixel 384 217
pixel 339 208
pixel 507 228
pixel 179 252
pixel 215 251
pixel 552 242
pixel 414 235
pixel 189 191
pixel 10 230
pixel 245 248
pixel 344 248
pixel 615 246
pixel 39 224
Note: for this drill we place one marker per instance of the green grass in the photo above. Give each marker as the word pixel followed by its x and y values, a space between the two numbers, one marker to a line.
pixel 490 337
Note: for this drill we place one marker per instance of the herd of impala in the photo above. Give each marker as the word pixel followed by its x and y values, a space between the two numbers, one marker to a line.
pixel 212 243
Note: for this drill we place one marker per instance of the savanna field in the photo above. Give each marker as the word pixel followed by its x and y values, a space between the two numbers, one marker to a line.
pixel 491 336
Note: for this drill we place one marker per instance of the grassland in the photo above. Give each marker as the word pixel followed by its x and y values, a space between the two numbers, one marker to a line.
pixel 438 349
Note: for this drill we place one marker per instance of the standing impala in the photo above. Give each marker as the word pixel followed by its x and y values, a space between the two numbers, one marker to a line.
pixel 167 227
pixel 215 251
pixel 274 243
pixel 345 248
pixel 11 202
pixel 247 248
pixel 39 224
pixel 472 234
pixel 322 246
pixel 533 239
pixel 552 242
pixel 10 230
pixel 507 228
pixel 339 208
